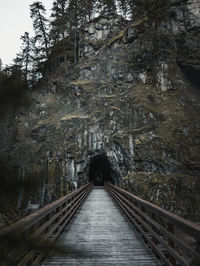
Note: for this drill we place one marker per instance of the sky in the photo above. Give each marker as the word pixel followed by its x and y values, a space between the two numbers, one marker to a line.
pixel 14 21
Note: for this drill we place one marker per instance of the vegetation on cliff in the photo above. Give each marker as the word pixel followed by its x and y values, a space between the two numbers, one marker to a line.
pixel 60 34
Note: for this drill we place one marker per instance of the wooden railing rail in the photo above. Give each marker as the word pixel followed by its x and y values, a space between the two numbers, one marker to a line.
pixel 174 239
pixel 39 229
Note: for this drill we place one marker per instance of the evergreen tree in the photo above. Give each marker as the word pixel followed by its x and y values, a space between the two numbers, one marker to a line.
pixel 38 12
pixel 29 59
pixel 59 23
pixel 38 64
pixel 104 6
pixel 74 14
pixel 55 30
pixel 23 59
pixel 153 9
pixel 26 52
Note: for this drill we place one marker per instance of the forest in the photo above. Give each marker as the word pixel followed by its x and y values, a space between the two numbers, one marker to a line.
pixel 60 33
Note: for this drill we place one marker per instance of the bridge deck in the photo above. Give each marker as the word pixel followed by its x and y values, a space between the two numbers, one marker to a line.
pixel 99 234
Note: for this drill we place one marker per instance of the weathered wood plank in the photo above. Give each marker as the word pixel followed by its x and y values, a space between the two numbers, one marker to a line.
pixel 99 234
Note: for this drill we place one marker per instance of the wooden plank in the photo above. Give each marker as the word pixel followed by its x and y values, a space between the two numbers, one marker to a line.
pixel 99 234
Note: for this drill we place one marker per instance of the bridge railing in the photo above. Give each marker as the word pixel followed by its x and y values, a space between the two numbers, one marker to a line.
pixel 27 241
pixel 174 239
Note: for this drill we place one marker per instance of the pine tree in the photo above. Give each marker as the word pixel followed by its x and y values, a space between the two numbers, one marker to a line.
pixel 40 26
pixel 55 30
pixel 74 16
pixel 26 52
pixel 59 23
pixel 104 6
pixel 37 62
pixel 153 9
pixel 23 58
pixel 29 59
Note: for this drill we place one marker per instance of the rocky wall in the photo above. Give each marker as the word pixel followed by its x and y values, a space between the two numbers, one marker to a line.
pixel 128 102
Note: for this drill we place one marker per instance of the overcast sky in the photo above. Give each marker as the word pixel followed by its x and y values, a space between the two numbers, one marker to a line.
pixel 14 21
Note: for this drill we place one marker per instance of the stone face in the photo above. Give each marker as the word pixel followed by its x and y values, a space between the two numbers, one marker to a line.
pixel 166 190
pixel 99 29
pixel 120 103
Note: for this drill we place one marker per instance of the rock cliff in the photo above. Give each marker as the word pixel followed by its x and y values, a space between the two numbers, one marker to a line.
pixel 125 113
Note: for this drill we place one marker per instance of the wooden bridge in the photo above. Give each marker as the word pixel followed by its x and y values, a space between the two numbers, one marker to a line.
pixel 110 227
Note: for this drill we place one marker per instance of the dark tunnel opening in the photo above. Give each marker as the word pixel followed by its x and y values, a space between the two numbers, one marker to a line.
pixel 100 171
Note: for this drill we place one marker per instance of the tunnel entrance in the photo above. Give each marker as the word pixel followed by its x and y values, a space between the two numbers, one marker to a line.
pixel 100 170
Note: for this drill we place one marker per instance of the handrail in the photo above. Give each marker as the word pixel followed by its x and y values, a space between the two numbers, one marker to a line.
pixel 38 228
pixel 164 231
